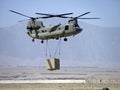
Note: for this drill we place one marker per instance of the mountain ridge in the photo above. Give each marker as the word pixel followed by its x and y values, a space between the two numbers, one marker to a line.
pixel 94 46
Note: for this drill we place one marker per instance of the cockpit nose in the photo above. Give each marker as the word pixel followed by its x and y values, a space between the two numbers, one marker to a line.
pixel 81 29
pixel 78 29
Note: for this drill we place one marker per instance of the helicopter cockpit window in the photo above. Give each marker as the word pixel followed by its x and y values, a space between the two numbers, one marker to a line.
pixel 66 27
pixel 76 25
pixel 59 28
pixel 42 31
pixel 34 25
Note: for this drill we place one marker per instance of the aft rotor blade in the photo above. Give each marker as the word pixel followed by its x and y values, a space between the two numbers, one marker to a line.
pixel 45 17
pixel 83 14
pixel 62 15
pixel 20 14
pixel 78 17
pixel 88 18
pixel 53 15
pixel 65 14
pixel 65 17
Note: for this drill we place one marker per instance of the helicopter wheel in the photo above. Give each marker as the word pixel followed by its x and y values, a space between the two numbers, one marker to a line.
pixel 57 38
pixel 65 39
pixel 42 41
pixel 33 40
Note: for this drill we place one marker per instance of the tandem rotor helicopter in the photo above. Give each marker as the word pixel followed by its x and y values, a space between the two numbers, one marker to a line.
pixel 36 29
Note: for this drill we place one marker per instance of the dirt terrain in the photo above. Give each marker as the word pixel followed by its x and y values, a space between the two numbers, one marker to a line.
pixel 92 79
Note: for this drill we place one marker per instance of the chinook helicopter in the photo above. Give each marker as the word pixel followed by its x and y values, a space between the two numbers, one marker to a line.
pixel 37 30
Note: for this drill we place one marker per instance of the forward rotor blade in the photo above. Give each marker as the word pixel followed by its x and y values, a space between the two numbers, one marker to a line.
pixel 43 14
pixel 31 19
pixel 20 14
pixel 53 15
pixel 83 14
pixel 23 20
pixel 46 17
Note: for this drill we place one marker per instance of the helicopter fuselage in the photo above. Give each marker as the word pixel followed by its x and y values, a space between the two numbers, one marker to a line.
pixel 54 32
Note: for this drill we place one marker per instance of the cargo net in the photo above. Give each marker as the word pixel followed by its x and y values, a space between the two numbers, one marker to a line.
pixel 57 50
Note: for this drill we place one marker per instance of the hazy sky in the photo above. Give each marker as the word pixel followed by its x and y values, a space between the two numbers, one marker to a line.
pixel 94 46
pixel 107 10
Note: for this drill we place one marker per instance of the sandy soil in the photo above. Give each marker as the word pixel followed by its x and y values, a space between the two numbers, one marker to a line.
pixel 95 78
pixel 58 86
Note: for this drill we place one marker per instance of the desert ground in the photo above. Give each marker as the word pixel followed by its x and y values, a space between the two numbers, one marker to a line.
pixel 67 78
pixel 58 86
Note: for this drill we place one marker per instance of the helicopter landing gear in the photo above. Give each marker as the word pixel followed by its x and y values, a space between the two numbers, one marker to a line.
pixel 42 41
pixel 33 40
pixel 57 38
pixel 65 39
